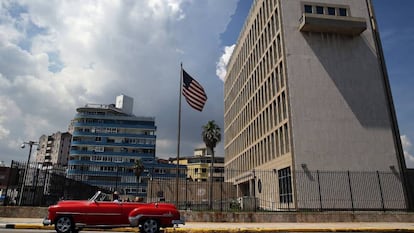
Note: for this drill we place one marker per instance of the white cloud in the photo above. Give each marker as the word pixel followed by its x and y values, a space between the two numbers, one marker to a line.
pixel 104 48
pixel 8 111
pixel 221 68
pixel 3 132
pixel 9 32
pixel 406 144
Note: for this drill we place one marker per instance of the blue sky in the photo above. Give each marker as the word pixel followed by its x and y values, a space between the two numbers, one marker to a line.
pixel 59 55
pixel 397 37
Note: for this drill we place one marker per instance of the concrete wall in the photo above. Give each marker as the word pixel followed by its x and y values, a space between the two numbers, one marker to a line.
pixel 340 115
pixel 299 217
pixel 193 216
pixel 23 212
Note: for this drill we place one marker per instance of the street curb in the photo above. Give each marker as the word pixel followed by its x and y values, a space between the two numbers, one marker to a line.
pixel 42 227
pixel 270 230
pixel 27 226
pixel 224 230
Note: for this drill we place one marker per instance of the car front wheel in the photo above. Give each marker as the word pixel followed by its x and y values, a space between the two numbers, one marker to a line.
pixel 64 224
pixel 150 226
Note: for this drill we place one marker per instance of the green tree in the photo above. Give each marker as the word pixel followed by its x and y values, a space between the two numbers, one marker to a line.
pixel 138 169
pixel 211 136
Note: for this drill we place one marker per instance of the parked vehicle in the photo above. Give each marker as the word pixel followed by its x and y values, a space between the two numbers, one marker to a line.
pixel 101 212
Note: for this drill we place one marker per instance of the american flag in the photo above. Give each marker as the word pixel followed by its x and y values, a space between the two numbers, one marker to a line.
pixel 193 92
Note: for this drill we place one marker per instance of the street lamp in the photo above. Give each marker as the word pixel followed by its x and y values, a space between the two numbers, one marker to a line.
pixel 149 185
pixel 30 143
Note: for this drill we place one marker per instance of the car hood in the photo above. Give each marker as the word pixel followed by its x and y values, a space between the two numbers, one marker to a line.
pixel 71 202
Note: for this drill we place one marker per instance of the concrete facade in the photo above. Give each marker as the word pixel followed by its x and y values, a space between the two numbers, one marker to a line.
pixel 339 111
pixel 54 149
pixel 307 90
pixel 198 167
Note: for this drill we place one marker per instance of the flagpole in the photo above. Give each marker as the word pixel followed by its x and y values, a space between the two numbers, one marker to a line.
pixel 178 136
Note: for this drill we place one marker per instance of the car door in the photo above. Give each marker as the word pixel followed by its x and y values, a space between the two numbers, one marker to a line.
pixel 105 213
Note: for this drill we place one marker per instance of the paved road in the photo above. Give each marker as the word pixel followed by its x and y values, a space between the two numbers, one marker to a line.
pixel 210 227
pixel 43 231
pixel 294 227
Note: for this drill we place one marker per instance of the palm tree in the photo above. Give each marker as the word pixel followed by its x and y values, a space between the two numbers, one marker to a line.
pixel 138 169
pixel 211 136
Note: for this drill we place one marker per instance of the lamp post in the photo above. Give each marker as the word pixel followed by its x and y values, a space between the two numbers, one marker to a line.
pixel 149 185
pixel 30 143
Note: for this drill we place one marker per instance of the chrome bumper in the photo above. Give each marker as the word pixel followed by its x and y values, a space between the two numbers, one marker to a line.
pixel 47 222
pixel 133 221
pixel 180 221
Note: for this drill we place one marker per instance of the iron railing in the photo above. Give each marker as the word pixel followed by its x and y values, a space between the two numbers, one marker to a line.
pixel 240 190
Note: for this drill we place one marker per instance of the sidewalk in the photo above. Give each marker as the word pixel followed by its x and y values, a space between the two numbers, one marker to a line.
pixel 210 227
pixel 294 227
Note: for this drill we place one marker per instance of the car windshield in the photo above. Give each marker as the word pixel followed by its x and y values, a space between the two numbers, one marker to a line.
pixel 100 196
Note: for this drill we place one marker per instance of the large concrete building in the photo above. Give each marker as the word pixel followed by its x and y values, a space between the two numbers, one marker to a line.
pixel 307 90
pixel 107 141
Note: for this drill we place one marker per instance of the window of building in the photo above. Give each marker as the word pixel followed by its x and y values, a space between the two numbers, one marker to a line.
pixel 331 11
pixel 285 185
pixel 308 9
pixel 110 130
pixel 99 149
pixel 343 12
pixel 218 170
pixel 160 171
pixel 203 170
pixel 319 10
pixel 96 158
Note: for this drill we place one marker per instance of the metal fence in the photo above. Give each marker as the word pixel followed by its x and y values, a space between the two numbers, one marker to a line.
pixel 240 190
pixel 36 185
pixel 350 191
pixel 306 190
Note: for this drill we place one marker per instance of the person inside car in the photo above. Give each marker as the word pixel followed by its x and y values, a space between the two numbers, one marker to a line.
pixel 116 197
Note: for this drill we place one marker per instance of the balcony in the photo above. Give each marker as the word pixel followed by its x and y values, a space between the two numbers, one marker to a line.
pixel 114 144
pixel 345 25
pixel 74 152
pixel 114 125
pixel 102 134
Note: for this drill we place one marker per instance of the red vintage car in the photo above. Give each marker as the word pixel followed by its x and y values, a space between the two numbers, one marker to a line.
pixel 101 212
